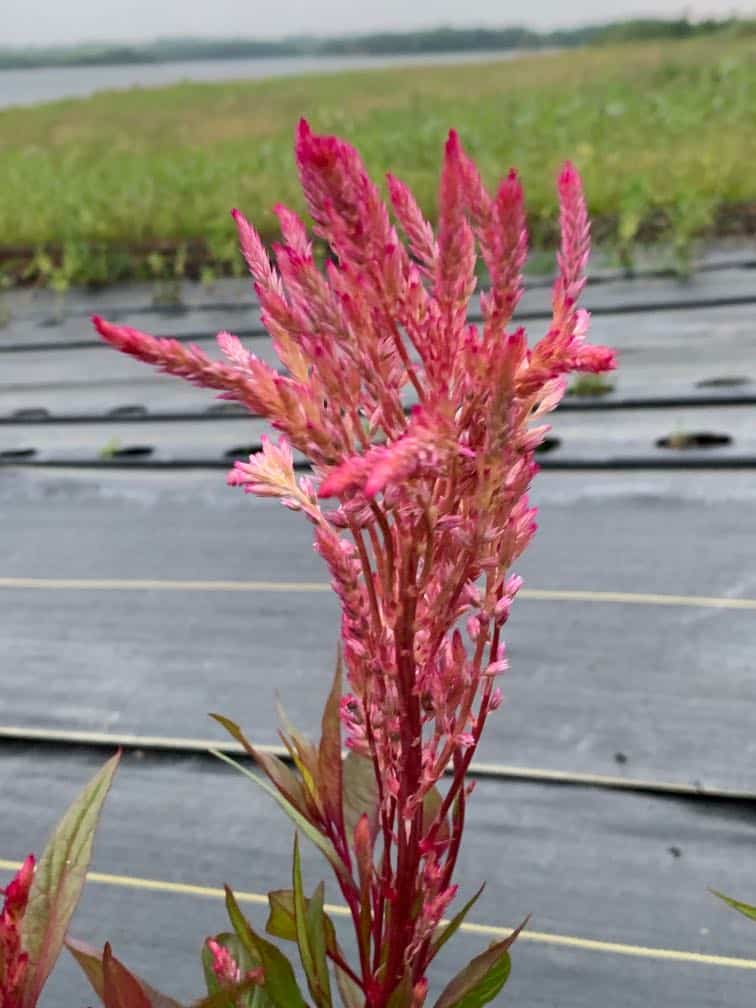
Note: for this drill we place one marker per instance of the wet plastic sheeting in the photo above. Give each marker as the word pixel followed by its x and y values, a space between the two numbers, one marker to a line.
pixel 658 351
pixel 669 689
pixel 134 303
pixel 40 304
pixel 170 438
pixel 618 434
pixel 589 680
pixel 56 370
pixel 148 391
pixel 52 328
pixel 159 937
pixel 638 430
pixel 586 863
pixel 634 294
pixel 630 532
pixel 641 690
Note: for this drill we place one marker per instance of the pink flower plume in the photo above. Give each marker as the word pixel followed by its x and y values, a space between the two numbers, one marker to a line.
pixel 421 427
pixel 14 959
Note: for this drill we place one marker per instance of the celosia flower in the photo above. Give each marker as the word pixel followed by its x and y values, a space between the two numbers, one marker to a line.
pixel 13 958
pixel 431 502
pixel 228 972
pixel 225 967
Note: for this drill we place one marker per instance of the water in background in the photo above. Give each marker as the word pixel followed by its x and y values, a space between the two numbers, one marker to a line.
pixel 28 87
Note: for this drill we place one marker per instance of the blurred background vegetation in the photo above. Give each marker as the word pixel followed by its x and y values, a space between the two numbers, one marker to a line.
pixel 139 183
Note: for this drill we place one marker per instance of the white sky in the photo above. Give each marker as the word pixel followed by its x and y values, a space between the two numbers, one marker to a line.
pixel 28 22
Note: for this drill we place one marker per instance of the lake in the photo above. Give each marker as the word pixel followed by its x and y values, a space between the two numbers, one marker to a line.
pixel 28 87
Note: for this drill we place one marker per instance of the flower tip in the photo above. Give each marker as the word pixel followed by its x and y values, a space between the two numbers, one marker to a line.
pixel 569 176
pixel 104 328
pixel 26 871
pixel 242 224
pixel 452 142
pixel 303 133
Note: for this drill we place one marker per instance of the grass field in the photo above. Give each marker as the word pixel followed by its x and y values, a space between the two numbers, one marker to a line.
pixel 665 135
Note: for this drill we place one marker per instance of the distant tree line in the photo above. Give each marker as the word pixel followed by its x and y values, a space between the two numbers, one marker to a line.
pixel 436 40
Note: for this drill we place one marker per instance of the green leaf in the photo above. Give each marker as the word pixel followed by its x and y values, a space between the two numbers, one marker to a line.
pixel 306 922
pixel 479 983
pixel 304 825
pixel 59 880
pixel 280 984
pixel 300 922
pixel 281 924
pixel 242 928
pixel 351 994
pixel 360 793
pixel 91 961
pixel 260 999
pixel 221 998
pixel 446 931
pixel 330 785
pixel 401 996
pixel 317 929
pixel 483 977
pixel 745 908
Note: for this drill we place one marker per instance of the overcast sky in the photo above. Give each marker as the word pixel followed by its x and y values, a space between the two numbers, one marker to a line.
pixel 24 22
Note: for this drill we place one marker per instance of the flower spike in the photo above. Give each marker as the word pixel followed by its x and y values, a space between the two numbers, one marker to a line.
pixel 421 430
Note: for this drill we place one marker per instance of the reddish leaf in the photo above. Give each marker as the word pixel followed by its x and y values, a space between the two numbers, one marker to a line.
pixel 360 793
pixel 483 977
pixel 444 932
pixel 59 880
pixel 304 756
pixel 363 849
pixel 277 772
pixel 120 988
pixel 329 754
pixel 432 803
pixel 92 963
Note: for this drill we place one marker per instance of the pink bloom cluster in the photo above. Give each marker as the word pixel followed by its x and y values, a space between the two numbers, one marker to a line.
pixel 13 959
pixel 423 426
pixel 226 969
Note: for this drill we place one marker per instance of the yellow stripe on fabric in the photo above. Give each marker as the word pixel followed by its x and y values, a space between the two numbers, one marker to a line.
pixel 486 930
pixel 533 594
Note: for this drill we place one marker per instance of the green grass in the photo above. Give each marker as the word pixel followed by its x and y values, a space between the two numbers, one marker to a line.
pixel 590 386
pixel 665 135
